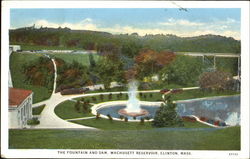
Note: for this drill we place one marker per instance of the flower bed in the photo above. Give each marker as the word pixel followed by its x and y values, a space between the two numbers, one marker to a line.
pixel 213 122
pixel 188 118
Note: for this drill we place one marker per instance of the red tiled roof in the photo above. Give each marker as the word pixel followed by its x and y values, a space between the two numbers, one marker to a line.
pixel 17 96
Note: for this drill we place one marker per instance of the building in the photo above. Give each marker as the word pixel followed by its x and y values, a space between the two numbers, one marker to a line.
pixel 20 107
pixel 14 48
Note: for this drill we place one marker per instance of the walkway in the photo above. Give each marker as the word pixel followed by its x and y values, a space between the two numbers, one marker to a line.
pixel 48 119
pixel 208 54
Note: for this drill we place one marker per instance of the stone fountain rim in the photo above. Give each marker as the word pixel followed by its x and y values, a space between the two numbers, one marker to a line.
pixel 108 104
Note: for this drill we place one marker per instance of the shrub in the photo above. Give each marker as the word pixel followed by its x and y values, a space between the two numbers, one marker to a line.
pixel 100 89
pixel 216 80
pixel 121 94
pixel 101 97
pixel 126 119
pixel 97 116
pixel 203 119
pixel 110 96
pixel 82 99
pixel 140 94
pixel 188 118
pixel 166 115
pixel 121 117
pixel 109 116
pixel 94 99
pixel 222 124
pixel 33 121
pixel 87 101
pixel 118 96
pixel 134 117
pixel 216 123
pixel 85 107
pixel 210 121
pixel 142 121
pixel 150 95
pixel 147 118
pixel 77 106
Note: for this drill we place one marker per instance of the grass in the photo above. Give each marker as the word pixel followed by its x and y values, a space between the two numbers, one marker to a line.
pixel 18 78
pixel 222 136
pixel 38 110
pixel 80 58
pixel 66 110
pixel 106 124
pixel 154 139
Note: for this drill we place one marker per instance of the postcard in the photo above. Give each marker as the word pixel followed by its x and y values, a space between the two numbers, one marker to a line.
pixel 125 79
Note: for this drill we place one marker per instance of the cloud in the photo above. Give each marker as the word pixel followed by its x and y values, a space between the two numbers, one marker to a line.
pixel 85 24
pixel 183 22
pixel 183 28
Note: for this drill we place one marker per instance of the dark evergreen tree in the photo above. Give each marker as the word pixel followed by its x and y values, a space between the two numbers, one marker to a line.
pixel 166 115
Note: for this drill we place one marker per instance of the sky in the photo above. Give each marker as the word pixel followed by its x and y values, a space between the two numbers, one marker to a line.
pixel 193 22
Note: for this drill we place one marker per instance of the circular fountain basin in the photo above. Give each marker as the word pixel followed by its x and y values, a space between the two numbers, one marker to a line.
pixel 141 112
pixel 116 109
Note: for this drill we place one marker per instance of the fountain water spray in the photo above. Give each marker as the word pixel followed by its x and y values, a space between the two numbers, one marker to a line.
pixel 133 108
pixel 133 104
pixel 233 119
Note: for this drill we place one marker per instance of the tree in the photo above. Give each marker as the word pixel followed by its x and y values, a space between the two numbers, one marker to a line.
pixel 108 71
pixel 216 80
pixel 183 70
pixel 166 115
pixel 131 48
pixel 72 75
pixel 149 62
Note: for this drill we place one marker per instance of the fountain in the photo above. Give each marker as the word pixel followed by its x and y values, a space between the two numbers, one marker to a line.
pixel 233 119
pixel 133 105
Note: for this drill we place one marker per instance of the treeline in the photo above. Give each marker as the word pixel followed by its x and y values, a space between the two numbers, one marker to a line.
pixel 127 44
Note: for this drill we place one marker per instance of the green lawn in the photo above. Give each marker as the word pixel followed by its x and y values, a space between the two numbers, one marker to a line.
pixel 18 78
pixel 165 139
pixel 106 124
pixel 69 58
pixel 66 110
pixel 38 110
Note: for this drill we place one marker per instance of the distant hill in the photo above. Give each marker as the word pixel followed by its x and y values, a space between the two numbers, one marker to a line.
pixel 129 44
